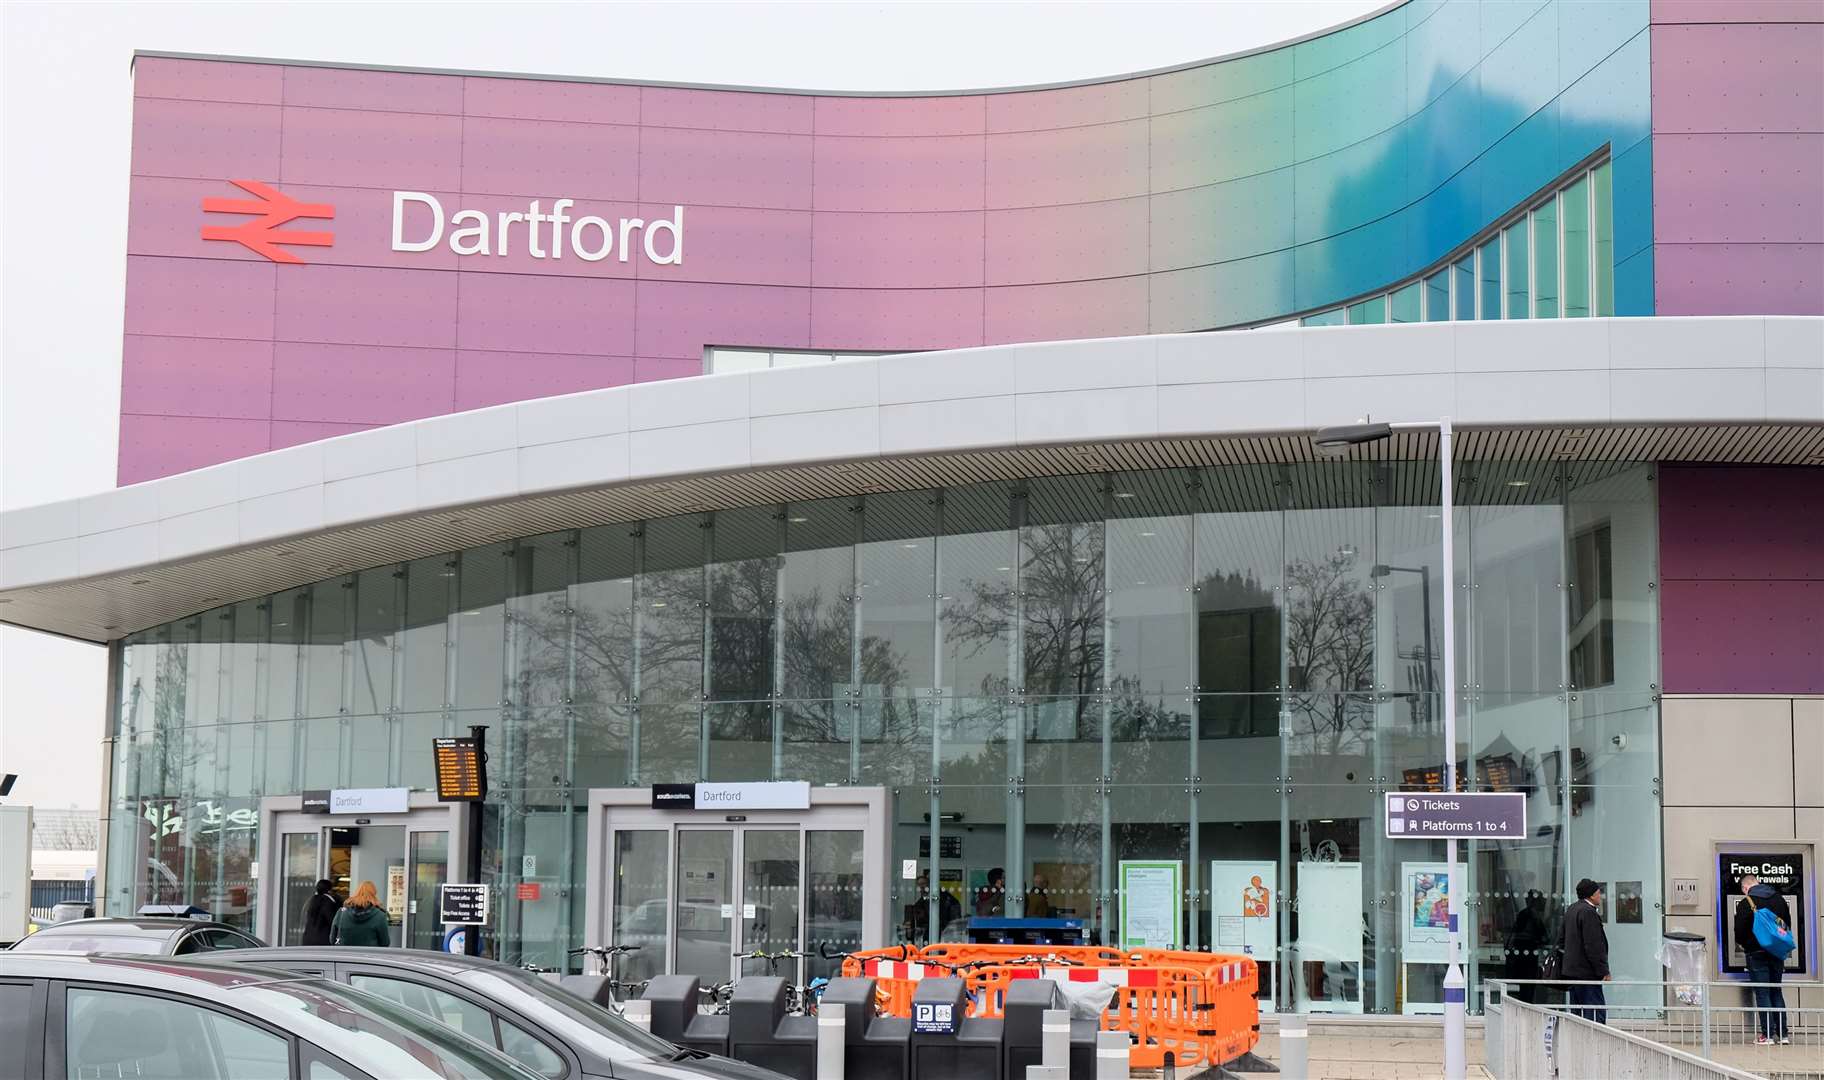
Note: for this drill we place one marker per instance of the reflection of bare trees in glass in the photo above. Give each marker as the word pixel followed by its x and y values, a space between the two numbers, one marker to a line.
pixel 1329 651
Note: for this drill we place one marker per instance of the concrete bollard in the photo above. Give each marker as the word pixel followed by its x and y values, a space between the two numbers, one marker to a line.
pixel 1112 1055
pixel 1294 1047
pixel 831 1034
pixel 1054 1038
pixel 1048 1072
pixel 638 1013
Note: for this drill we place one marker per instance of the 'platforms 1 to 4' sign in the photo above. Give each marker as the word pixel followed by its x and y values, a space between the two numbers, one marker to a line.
pixel 1465 815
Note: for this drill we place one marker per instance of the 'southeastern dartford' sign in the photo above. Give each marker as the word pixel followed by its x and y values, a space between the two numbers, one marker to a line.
pixel 1465 815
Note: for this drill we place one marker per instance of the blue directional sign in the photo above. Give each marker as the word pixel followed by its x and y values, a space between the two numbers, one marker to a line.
pixel 1464 815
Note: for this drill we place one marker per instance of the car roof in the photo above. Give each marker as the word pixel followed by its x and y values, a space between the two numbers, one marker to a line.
pixel 150 926
pixel 150 972
pixel 448 964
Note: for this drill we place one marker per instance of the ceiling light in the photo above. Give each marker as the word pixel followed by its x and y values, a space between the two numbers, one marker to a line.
pixel 1124 494
pixel 797 521
pixel 1149 534
pixel 1518 483
pixel 658 603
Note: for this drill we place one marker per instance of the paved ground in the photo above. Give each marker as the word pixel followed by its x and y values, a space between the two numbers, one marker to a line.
pixel 1369 1051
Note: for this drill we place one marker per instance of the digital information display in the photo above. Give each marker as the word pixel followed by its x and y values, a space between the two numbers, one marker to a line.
pixel 462 773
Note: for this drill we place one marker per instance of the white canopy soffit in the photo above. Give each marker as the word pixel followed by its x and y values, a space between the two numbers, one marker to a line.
pixel 1713 389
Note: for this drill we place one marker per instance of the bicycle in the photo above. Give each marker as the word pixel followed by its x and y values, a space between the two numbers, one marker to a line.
pixel 818 985
pixel 719 995
pixel 798 999
pixel 608 957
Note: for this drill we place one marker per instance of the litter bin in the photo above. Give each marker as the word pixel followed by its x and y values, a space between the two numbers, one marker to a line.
pixel 1682 954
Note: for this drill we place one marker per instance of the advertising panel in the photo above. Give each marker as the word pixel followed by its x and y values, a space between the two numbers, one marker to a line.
pixel 1789 873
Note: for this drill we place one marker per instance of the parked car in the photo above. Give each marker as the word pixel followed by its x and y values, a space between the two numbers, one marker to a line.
pixel 152 1018
pixel 145 937
pixel 533 1020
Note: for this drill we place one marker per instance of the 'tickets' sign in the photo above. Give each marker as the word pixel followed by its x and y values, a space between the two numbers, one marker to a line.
pixel 1785 871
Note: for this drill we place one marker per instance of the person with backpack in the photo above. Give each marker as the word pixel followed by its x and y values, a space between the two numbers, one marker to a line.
pixel 1763 929
pixel 362 921
pixel 1586 952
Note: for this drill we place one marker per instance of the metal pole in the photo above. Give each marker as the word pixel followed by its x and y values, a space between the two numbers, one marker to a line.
pixel 471 938
pixel 638 1012
pixel 1455 1007
pixel 1054 1038
pixel 831 1032
pixel 1294 1047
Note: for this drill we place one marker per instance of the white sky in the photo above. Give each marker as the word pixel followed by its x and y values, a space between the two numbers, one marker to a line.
pixel 65 126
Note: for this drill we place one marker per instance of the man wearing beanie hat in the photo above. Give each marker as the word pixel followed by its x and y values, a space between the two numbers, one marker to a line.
pixel 1586 952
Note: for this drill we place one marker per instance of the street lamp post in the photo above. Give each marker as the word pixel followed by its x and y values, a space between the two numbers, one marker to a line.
pixel 1337 440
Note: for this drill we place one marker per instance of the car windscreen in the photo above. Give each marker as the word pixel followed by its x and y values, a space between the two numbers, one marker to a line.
pixel 84 942
pixel 376 1035
pixel 568 1016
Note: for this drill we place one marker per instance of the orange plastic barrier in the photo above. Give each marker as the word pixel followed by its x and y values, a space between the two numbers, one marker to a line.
pixel 1197 1008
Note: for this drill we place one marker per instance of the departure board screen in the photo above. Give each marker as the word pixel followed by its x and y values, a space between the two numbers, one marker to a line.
pixel 462 773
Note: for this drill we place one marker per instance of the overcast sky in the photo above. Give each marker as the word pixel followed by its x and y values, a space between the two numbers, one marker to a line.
pixel 64 151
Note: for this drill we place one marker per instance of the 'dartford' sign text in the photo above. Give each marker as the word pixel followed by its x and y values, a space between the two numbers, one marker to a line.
pixel 542 234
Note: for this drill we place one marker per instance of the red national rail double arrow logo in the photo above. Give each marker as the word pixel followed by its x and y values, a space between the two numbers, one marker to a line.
pixel 262 234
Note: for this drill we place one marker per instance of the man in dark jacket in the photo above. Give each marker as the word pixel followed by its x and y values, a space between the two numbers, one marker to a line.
pixel 319 913
pixel 1764 968
pixel 1586 952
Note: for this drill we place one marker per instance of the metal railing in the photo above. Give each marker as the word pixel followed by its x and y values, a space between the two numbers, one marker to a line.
pixel 1697 1029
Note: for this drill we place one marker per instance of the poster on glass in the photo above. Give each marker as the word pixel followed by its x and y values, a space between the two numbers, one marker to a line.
pixel 1327 937
pixel 1244 915
pixel 1152 903
pixel 1424 935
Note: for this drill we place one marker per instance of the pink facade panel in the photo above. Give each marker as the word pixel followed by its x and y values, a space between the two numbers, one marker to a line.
pixel 899 117
pixel 679 318
pixel 358 305
pixel 551 99
pixel 188 297
pixel 760 169
pixel 493 378
pixel 382 91
pixel 179 376
pixel 514 254
pixel 1067 243
pixel 1738 76
pixel 1067 309
pixel 1038 168
pixel 897 251
pixel 201 80
pixel 1711 11
pixel 1739 279
pixel 548 158
pixel 361 384
pixel 1743 188
pixel 720 110
pixel 890 319
pixel 1070 106
pixel 356 148
pixel 154 446
pixel 733 243
pixel 228 140
pixel 511 313
pixel 298 432
pixel 861 174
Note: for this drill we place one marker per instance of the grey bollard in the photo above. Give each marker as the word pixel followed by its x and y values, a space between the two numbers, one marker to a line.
pixel 832 1041
pixel 1047 1072
pixel 1294 1047
pixel 638 1013
pixel 1112 1055
pixel 1054 1038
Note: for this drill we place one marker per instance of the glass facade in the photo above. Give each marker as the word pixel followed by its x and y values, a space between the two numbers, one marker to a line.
pixel 1221 667
pixel 1571 251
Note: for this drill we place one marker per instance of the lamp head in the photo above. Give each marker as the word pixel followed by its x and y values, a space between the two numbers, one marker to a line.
pixel 1338 440
pixel 1380 570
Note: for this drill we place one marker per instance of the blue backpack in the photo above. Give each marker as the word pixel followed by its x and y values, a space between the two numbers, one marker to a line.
pixel 1770 933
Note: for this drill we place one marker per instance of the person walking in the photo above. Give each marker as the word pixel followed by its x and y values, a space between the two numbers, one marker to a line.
pixel 991 900
pixel 320 913
pixel 362 921
pixel 1586 952
pixel 1765 970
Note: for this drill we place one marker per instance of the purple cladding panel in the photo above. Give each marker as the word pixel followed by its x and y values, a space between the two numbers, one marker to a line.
pixel 1738 156
pixel 1742 575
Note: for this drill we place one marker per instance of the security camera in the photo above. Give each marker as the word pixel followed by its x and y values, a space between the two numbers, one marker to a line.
pixel 1620 741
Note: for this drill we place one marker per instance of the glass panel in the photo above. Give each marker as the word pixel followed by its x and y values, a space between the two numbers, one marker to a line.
pixel 670 620
pixel 603 600
pixel 522 1047
pixel 1373 310
pixel 289 618
pixel 1488 262
pixel 641 901
pixel 770 898
pixel 1513 243
pixel 1463 284
pixel 1601 183
pixel 722 361
pixel 1545 260
pixel 1405 304
pixel 898 636
pixel 429 585
pixel 705 904
pixel 833 876
pixel 109 1033
pixel 817 650
pixel 1333 317
pixel 372 854
pixel 1437 297
pixel 430 870
pixel 540 630
pixel 1574 204
pixel 480 627
pixel 299 851
pixel 331 609
pixel 446 1008
pixel 377 618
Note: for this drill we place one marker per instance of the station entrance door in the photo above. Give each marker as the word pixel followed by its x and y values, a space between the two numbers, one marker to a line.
pixel 406 852
pixel 694 888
